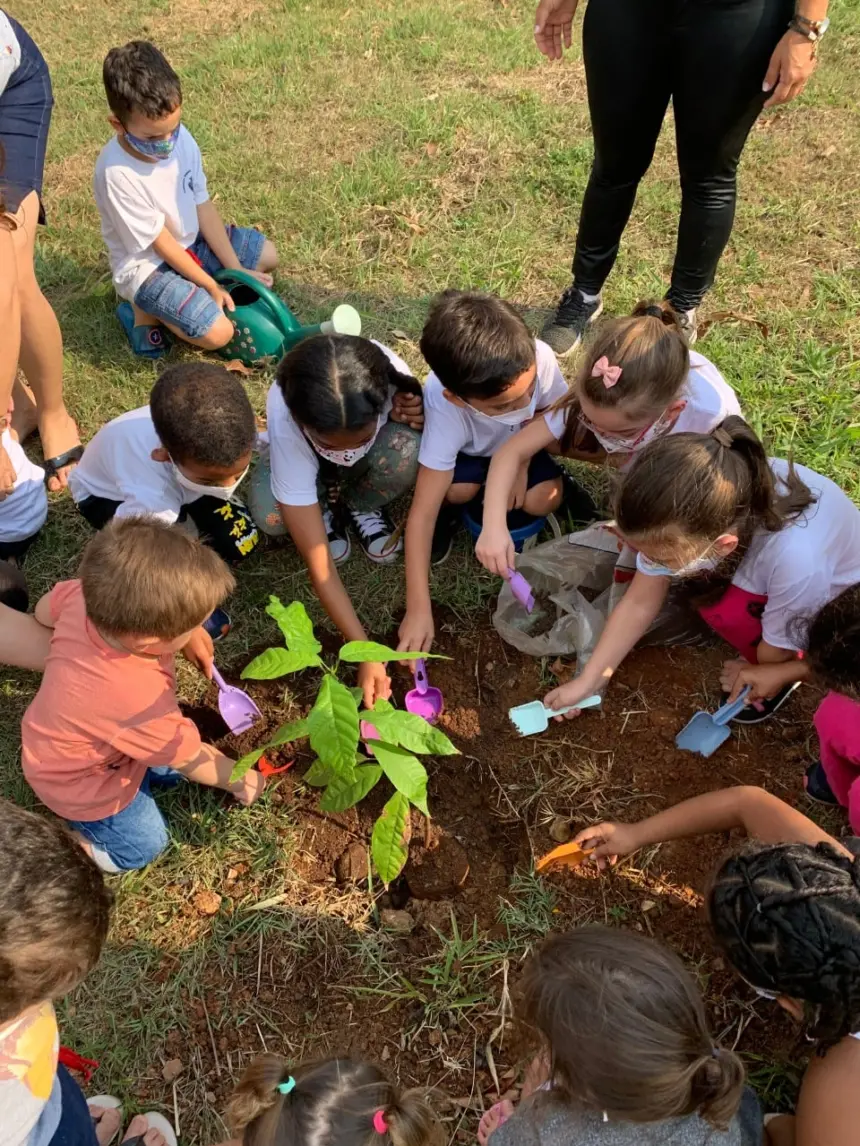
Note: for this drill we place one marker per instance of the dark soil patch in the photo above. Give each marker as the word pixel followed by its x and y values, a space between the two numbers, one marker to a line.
pixel 492 809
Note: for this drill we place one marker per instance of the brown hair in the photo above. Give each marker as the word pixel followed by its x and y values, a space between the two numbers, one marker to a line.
pixel 692 488
pixel 652 352
pixel 142 577
pixel 54 911
pixel 332 1103
pixel 624 1026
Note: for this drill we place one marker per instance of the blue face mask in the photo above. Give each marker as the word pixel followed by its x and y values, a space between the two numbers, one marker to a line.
pixel 154 148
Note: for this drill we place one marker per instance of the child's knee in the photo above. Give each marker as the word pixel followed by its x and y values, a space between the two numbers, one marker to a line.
pixel 268 259
pixel 218 335
pixel 462 493
pixel 544 498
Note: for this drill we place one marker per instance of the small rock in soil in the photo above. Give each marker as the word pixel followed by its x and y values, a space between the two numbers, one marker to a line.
pixel 172 1069
pixel 400 922
pixel 385 1053
pixel 560 829
pixel 648 905
pixel 351 865
pixel 438 871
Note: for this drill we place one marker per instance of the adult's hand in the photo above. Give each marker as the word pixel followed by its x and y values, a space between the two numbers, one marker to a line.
pixel 553 23
pixel 792 63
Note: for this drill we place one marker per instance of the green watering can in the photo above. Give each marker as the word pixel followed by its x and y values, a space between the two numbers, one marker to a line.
pixel 265 325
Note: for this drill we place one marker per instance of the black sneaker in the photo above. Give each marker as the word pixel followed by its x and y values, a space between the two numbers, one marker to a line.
pixel 816 785
pixel 762 709
pixel 577 503
pixel 448 522
pixel 379 539
pixel 689 326
pixel 338 538
pixel 572 318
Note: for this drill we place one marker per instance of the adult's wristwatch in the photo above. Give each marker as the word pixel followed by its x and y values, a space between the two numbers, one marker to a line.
pixel 811 30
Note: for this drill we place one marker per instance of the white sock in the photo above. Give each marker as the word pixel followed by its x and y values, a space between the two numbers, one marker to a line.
pixel 589 297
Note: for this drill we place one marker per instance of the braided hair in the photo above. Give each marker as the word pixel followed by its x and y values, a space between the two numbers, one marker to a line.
pixel 788 918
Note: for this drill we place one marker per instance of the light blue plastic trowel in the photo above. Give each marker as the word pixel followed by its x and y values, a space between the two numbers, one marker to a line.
pixel 706 732
pixel 534 717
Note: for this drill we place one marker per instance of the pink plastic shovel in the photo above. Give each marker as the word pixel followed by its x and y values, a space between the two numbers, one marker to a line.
pixel 237 709
pixel 424 700
pixel 521 590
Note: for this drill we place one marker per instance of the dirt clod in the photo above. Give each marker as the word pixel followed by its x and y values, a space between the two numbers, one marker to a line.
pixel 561 829
pixel 207 902
pixel 439 870
pixel 400 922
pixel 351 865
pixel 172 1069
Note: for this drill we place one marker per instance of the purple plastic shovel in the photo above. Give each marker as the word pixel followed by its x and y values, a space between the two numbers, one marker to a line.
pixel 237 709
pixel 424 700
pixel 521 590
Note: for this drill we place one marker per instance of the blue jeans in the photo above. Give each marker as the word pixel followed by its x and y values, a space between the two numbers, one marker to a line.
pixel 167 296
pixel 135 836
pixel 76 1125
pixel 25 117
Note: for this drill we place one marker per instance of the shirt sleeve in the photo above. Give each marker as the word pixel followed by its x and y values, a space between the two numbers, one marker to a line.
pixel 443 436
pixel 162 739
pixel 140 505
pixel 555 423
pixel 136 220
pixel 550 378
pixel 60 595
pixel 793 596
pixel 294 465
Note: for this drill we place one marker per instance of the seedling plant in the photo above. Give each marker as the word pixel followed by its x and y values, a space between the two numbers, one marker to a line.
pixel 344 772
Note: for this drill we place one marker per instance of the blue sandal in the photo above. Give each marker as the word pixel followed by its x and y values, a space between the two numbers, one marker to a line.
pixel 145 341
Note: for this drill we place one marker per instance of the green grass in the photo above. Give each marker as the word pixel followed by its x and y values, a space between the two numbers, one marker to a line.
pixel 391 149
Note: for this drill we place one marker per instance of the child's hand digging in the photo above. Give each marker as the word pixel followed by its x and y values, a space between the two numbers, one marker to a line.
pixel 607 842
pixel 375 682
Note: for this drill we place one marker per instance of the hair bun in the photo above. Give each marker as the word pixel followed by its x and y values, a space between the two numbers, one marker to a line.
pixel 663 311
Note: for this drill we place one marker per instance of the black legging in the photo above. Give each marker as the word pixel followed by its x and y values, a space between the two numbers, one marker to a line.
pixel 710 57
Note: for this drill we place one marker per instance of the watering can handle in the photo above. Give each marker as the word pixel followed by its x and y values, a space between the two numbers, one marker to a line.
pixel 276 305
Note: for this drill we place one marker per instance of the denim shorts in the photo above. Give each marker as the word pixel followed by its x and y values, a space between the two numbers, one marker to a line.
pixel 25 117
pixel 471 469
pixel 135 836
pixel 171 298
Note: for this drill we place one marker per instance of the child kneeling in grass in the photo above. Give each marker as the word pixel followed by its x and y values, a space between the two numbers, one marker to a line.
pixel 337 1102
pixel 105 724
pixel 625 1056
pixel 54 916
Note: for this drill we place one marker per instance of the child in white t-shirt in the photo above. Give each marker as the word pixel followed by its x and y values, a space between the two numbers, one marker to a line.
pixel 182 456
pixel 24 510
pixel 344 416
pixel 638 381
pixel 489 380
pixel 164 235
pixel 763 543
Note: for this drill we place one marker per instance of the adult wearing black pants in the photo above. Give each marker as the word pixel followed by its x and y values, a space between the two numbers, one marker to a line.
pixel 720 62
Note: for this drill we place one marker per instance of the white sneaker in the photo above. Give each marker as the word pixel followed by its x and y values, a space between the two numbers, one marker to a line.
pixel 377 534
pixel 338 538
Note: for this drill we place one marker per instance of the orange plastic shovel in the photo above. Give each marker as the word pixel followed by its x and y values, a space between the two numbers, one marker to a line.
pixel 566 855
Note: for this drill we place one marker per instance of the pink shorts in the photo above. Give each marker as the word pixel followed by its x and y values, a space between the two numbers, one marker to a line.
pixel 737 618
pixel 837 722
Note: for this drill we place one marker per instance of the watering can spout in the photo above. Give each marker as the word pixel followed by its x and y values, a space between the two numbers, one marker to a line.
pixel 344 320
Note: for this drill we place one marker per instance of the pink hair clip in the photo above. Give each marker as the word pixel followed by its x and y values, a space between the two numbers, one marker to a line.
pixel 609 374
pixel 379 1123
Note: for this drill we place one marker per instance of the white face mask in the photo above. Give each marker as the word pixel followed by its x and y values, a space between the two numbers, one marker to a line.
pixel 703 564
pixel 618 444
pixel 225 492
pixel 348 457
pixel 512 417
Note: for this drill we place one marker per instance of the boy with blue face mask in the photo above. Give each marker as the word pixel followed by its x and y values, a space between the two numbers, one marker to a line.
pixel 164 235
pixel 489 378
pixel 180 458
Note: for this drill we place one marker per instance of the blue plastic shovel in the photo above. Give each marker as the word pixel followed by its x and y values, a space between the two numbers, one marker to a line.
pixel 534 717
pixel 706 732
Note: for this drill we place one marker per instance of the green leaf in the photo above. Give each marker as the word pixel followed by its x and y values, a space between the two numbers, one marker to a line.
pixel 296 625
pixel 390 841
pixel 333 725
pixel 410 731
pixel 406 773
pixel 342 794
pixel 356 652
pixel 278 662
pixel 357 694
pixel 319 774
pixel 287 733
pixel 245 764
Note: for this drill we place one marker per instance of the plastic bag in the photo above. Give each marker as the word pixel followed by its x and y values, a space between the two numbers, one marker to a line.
pixel 577 581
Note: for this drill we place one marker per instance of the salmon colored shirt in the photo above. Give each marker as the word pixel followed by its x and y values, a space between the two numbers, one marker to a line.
pixel 100 718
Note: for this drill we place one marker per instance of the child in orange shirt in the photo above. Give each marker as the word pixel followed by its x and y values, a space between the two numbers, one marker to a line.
pixel 105 724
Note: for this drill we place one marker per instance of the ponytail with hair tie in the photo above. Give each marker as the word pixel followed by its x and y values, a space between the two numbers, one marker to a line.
pixel 722 436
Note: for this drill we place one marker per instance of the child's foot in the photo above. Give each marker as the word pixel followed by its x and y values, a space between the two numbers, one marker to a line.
pixel 574 314
pixel 493 1118
pixel 338 539
pixel 817 786
pixel 378 537
pixel 761 710
pixel 149 1130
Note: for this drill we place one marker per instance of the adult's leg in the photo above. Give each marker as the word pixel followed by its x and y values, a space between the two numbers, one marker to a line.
pixel 723 50
pixel 627 46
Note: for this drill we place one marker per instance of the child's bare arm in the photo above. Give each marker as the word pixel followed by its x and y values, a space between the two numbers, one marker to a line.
pixel 416 629
pixel 42 612
pixel 24 641
pixel 176 256
pixel 213 769
pixel 752 810
pixel 764 680
pixel 212 229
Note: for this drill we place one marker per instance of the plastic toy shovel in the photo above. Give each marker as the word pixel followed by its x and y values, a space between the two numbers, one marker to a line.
pixel 237 709
pixel 567 855
pixel 705 732
pixel 521 590
pixel 424 700
pixel 534 717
